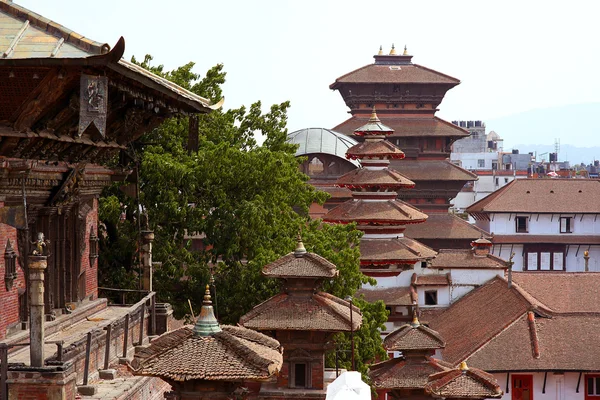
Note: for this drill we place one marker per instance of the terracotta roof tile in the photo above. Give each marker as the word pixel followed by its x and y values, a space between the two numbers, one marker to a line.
pixel 396 296
pixel 479 315
pixel 566 342
pixel 465 258
pixel 470 383
pixel 320 312
pixel 398 374
pixel 444 226
pixel 542 196
pixel 413 336
pixel 406 73
pixel 394 212
pixel 370 149
pixel 310 265
pixel 399 249
pixel 234 354
pixel 432 170
pixel 431 279
pixel 407 127
pixel 563 292
pixel 383 178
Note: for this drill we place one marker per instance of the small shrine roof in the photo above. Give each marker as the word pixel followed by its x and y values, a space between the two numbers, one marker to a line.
pixel 319 312
pixel 463 383
pixel 399 374
pixel 321 140
pixel 431 279
pixel 308 265
pixel 382 178
pixel 374 149
pixel 234 354
pixel 444 226
pixel 432 170
pixel 425 126
pixel 385 251
pixel 396 296
pixel 413 336
pixel 466 258
pixel 380 212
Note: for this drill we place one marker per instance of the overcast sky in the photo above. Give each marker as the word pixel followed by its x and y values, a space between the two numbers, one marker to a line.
pixel 511 56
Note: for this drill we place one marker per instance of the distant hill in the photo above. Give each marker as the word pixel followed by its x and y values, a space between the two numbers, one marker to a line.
pixel 577 126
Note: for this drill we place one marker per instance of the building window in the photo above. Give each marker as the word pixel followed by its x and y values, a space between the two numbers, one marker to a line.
pixel 431 298
pixel 480 163
pixel 300 375
pixel 566 224
pixel 592 387
pixel 545 258
pixel 497 181
pixel 10 265
pixel 522 387
pixel 521 224
pixel 505 180
pixel 494 165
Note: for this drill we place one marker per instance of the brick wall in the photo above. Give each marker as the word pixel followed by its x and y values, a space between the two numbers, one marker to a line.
pixel 9 299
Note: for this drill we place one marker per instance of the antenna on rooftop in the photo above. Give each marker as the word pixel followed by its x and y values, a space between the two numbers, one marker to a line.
pixel 557 147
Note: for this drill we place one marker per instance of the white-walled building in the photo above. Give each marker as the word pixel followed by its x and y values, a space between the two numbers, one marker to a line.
pixel 487 183
pixel 549 224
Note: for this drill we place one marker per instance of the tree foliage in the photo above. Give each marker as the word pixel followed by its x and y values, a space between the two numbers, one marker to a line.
pixel 246 201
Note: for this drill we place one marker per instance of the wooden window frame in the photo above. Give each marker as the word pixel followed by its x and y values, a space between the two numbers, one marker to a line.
pixel 568 229
pixel 517 224
pixel 539 249
pixel 592 396
pixel 522 377
pixel 425 297
pixel 307 372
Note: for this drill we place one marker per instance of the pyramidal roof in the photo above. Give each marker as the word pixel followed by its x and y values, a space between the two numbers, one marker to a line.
pixel 413 336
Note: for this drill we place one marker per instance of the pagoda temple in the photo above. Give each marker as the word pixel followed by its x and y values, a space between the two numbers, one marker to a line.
pixel 302 319
pixel 417 375
pixel 375 207
pixel 407 96
pixel 209 361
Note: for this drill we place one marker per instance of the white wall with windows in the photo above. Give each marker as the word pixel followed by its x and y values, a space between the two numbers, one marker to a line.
pixel 559 386
pixel 542 224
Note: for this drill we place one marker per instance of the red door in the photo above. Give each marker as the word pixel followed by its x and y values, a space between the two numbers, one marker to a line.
pixel 522 387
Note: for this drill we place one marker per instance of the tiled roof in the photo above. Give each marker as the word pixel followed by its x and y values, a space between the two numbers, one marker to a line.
pixel 562 292
pixel 310 265
pixel 479 315
pixel 319 312
pixel 414 336
pixel 396 296
pixel 407 73
pixel 321 140
pixel 471 383
pixel 370 149
pixel 398 374
pixel 565 342
pixel 562 239
pixel 432 170
pixel 465 258
pixel 444 226
pixel 394 212
pixel 407 127
pixel 542 196
pixel 235 354
pixel 431 279
pixel 399 249
pixel 381 178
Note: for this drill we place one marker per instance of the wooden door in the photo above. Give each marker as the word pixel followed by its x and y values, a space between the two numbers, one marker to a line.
pixel 522 387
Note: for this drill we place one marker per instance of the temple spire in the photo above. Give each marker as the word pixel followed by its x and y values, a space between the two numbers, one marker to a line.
pixel 393 51
pixel 207 324
pixel 405 51
pixel 300 249
pixel 380 53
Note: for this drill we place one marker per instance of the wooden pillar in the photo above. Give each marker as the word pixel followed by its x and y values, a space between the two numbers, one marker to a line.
pixel 37 265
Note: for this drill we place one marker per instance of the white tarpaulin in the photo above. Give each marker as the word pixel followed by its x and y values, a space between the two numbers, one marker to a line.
pixel 348 386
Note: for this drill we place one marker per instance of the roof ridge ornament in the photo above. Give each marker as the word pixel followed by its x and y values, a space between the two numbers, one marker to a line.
pixel 405 51
pixel 374 117
pixel 380 53
pixel 300 250
pixel 393 50
pixel 207 324
pixel 415 321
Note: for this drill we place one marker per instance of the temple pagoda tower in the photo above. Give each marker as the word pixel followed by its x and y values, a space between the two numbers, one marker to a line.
pixel 407 97
pixel 375 207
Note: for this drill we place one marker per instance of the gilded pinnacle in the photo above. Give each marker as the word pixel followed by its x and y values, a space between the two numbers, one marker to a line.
pixel 393 51
pixel 405 51
pixel 380 51
pixel 300 249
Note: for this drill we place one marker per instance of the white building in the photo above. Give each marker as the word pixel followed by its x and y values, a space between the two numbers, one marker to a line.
pixel 549 224
pixel 487 183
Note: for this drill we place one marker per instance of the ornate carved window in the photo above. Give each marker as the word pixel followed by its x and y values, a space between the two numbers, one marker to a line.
pixel 93 247
pixel 10 265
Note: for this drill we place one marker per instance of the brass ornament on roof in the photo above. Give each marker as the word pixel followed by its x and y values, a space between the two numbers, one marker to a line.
pixel 393 51
pixel 207 324
pixel 300 250
pixel 405 51
pixel 380 53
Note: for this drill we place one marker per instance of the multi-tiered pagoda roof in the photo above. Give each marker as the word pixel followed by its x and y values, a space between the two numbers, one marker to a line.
pixel 374 205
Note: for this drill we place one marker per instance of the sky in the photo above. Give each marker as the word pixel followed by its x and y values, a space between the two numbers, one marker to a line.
pixel 511 56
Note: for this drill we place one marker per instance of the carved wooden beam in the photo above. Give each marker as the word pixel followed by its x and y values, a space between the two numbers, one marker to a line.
pixel 42 99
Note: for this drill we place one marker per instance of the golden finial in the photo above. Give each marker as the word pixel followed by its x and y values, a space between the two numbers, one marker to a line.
pixel 586 253
pixel 463 366
pixel 300 249
pixel 393 51
pixel 405 51
pixel 380 51
pixel 207 299
pixel 374 117
pixel 415 321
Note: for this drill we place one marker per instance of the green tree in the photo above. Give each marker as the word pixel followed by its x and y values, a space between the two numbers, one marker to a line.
pixel 246 200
